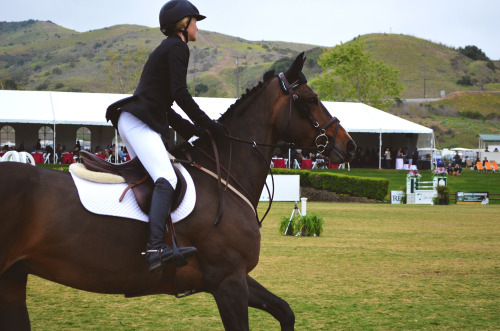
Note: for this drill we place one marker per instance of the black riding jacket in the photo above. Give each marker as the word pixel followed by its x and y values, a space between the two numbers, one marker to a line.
pixel 162 82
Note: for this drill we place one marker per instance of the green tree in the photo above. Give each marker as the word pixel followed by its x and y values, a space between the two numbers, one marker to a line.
pixel 123 69
pixel 473 52
pixel 350 74
pixel 201 88
pixel 9 84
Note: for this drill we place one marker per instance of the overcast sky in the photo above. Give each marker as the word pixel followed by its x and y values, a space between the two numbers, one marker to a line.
pixel 456 23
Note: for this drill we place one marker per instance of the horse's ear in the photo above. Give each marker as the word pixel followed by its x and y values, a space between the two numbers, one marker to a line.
pixel 295 69
pixel 268 75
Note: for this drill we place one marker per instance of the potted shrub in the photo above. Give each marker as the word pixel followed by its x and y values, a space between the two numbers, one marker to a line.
pixel 287 226
pixel 443 195
pixel 310 225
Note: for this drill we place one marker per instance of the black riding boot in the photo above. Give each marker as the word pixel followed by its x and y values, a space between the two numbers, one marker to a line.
pixel 157 252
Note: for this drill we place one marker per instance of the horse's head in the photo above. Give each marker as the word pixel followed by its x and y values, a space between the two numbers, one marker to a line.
pixel 303 120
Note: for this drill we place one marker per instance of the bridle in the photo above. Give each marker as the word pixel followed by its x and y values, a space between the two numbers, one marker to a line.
pixel 324 143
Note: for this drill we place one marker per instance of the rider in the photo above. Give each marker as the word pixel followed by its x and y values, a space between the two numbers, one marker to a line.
pixel 142 118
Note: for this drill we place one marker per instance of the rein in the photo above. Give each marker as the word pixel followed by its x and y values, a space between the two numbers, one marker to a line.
pixel 324 143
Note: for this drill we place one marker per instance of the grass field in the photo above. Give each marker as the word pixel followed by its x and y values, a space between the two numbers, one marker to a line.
pixel 375 267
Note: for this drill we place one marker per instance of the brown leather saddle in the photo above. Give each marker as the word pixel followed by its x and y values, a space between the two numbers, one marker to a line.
pixel 136 177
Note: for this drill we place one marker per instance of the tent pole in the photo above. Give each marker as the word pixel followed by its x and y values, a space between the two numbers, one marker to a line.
pixel 433 145
pixel 289 158
pixel 54 145
pixel 116 146
pixel 380 150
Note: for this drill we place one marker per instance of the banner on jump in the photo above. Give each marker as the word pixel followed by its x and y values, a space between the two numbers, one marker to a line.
pixel 470 197
pixel 286 188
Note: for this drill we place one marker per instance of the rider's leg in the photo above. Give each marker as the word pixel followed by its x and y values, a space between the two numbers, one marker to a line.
pixel 147 145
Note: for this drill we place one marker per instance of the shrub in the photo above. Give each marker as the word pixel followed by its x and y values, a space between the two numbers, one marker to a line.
pixel 471 114
pixel 465 81
pixel 473 52
pixel 287 226
pixel 372 188
pixel 309 225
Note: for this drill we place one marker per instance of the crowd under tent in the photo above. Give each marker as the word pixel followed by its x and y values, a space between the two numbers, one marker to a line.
pixel 65 117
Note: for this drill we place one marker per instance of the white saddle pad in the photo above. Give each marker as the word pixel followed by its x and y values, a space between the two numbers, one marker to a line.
pixel 103 199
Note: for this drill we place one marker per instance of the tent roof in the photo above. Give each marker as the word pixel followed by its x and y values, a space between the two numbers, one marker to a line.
pixel 55 107
pixel 489 137
pixel 89 109
pixel 359 117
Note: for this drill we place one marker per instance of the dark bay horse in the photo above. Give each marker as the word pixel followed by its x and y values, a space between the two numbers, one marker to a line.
pixel 45 231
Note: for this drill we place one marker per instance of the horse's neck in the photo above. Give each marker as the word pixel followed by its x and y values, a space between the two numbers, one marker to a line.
pixel 252 162
pixel 250 165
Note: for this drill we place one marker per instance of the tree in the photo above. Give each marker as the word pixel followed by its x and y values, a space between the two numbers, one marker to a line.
pixel 8 84
pixel 473 52
pixel 201 88
pixel 350 74
pixel 123 70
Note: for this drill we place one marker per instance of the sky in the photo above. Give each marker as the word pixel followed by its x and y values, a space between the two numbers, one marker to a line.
pixel 455 23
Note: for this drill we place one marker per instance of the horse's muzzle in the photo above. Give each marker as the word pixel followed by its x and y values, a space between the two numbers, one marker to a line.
pixel 343 154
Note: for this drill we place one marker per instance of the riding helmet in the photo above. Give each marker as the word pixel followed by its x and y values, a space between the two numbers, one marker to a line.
pixel 175 10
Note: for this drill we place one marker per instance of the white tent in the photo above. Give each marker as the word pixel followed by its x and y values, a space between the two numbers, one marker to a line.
pixel 359 117
pixel 56 108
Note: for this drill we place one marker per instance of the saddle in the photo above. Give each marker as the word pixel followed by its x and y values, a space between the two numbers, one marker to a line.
pixel 136 177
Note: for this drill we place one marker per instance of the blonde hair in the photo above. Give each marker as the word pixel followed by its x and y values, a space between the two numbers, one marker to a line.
pixel 181 24
pixel 174 29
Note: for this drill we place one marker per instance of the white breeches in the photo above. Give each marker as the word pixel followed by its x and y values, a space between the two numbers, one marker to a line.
pixel 147 145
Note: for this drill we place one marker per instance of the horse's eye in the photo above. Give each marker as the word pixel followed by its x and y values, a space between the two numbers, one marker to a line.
pixel 312 100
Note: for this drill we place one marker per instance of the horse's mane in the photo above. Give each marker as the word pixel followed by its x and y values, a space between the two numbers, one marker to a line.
pixel 241 102
pixel 248 94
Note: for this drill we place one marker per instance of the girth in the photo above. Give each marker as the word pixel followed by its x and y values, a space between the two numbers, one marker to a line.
pixel 136 177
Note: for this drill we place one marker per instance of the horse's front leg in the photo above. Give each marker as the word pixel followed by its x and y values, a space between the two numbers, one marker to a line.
pixel 231 297
pixel 259 297
pixel 13 311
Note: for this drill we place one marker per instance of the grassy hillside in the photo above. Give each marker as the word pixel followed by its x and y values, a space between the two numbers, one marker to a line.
pixel 38 55
pixel 441 66
pixel 456 119
pixel 43 56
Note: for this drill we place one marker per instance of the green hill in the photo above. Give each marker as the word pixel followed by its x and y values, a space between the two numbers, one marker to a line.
pixel 44 56
pixel 37 55
pixel 439 65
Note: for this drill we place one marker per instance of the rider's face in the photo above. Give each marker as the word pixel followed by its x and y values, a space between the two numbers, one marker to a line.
pixel 192 29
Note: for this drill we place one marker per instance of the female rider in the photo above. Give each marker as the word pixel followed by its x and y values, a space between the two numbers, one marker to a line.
pixel 142 118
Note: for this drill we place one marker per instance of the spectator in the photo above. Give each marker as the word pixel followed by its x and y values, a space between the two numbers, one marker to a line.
pixel 38 146
pixel 457 159
pixel 59 153
pixel 485 200
pixel 415 157
pixel 121 155
pixel 21 147
pixel 387 157
pixel 49 152
pixel 449 169
pixel 457 170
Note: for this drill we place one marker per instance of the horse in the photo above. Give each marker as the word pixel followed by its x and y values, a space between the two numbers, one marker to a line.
pixel 45 230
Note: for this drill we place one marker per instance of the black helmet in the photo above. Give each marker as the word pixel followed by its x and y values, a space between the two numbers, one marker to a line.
pixel 174 11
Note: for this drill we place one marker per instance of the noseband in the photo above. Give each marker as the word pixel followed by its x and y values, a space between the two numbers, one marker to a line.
pixel 324 143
